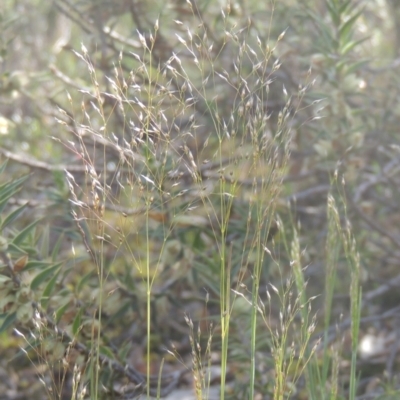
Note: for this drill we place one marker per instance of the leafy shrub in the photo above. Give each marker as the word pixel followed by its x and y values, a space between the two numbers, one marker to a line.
pixel 203 155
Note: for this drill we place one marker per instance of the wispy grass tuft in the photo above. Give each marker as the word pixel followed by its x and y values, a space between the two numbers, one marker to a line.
pixel 187 157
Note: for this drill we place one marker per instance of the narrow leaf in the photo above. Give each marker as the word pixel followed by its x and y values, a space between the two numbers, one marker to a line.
pixel 37 265
pixel 24 233
pixel 107 352
pixel 3 166
pixel 350 45
pixel 333 12
pixel 14 249
pixel 13 216
pixel 56 247
pixel 83 281
pixel 8 321
pixel 77 322
pixel 356 66
pixel 48 290
pixel 345 32
pixel 61 311
pixel 9 189
pixel 44 275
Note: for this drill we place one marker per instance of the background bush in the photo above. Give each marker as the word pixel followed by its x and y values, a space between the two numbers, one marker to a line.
pixel 180 162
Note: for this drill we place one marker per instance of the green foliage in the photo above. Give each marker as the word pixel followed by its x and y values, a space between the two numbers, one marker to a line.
pixel 185 183
pixel 19 288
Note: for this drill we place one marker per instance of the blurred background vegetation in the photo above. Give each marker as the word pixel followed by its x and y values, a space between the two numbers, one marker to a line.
pixel 71 70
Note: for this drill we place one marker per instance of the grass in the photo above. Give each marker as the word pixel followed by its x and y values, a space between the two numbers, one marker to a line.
pixel 160 171
pixel 165 177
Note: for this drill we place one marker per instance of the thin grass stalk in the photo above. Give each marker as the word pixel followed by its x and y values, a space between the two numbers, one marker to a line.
pixel 224 285
pixel 254 312
pixel 262 233
pixel 253 338
pixel 102 252
pixel 207 379
pixel 159 381
pixel 261 215
pixel 355 296
pixel 301 289
pixel 99 211
pixel 335 375
pixel 149 280
pixel 332 255
pixel 148 301
pixel 353 257
pixel 355 323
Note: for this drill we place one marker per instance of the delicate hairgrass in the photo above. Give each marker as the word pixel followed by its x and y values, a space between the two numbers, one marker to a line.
pixel 245 139
pixel 153 151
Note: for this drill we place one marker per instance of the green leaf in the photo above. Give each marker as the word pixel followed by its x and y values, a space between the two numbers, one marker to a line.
pixel 345 31
pixel 48 289
pixel 45 242
pixel 341 64
pixel 345 7
pixel 60 312
pixel 105 351
pixel 44 275
pixel 356 66
pixel 3 243
pixel 82 282
pixel 350 45
pixel 8 321
pixel 56 247
pixel 328 42
pixel 3 166
pixel 333 12
pixel 59 180
pixel 120 312
pixel 4 202
pixel 15 250
pixel 37 265
pixel 326 33
pixel 24 233
pixel 12 186
pixel 9 189
pixel 77 322
pixel 13 216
